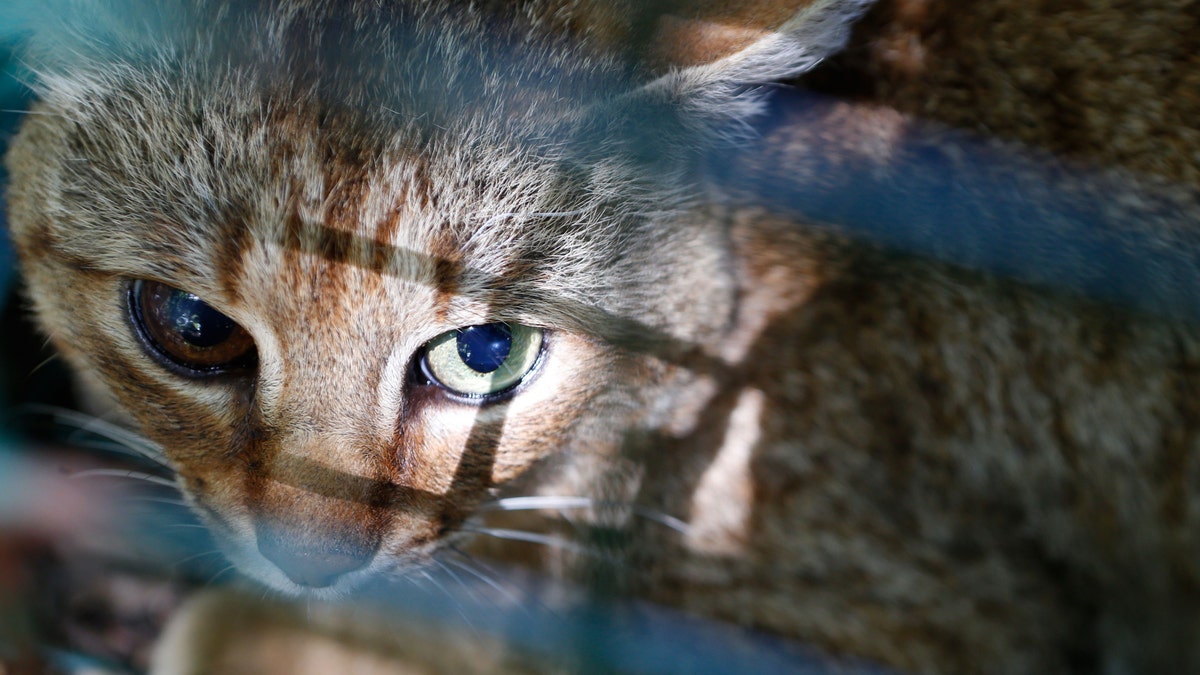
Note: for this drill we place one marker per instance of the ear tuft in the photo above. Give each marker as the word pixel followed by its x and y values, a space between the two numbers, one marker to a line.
pixel 714 94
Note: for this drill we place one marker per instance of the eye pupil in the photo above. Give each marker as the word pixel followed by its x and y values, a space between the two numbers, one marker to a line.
pixel 198 324
pixel 481 361
pixel 186 333
pixel 484 348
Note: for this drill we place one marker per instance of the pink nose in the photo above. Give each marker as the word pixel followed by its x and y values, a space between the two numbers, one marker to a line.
pixel 314 566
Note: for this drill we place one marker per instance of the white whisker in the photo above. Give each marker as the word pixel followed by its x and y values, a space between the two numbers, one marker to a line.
pixel 533 538
pixel 157 500
pixel 566 503
pixel 110 446
pixel 221 572
pixel 455 602
pixel 195 556
pixel 468 565
pixel 122 473
pixel 416 581
pixel 458 580
pixel 424 573
pixel 129 440
pixel 45 113
pixel 48 360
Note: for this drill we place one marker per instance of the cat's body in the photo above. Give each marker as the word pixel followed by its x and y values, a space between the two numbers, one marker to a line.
pixel 892 458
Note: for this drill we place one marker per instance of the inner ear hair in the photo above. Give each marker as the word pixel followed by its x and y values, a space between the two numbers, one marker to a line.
pixel 744 53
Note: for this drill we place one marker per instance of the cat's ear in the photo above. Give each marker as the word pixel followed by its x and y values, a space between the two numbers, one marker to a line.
pixel 709 65
pixel 723 59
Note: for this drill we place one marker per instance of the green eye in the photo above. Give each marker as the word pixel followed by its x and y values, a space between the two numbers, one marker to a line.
pixel 478 361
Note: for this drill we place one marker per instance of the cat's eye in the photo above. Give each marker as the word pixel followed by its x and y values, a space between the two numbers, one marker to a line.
pixel 484 360
pixel 187 332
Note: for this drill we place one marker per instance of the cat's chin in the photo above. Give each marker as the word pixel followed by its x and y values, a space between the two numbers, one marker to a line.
pixel 383 569
pixel 342 589
pixel 261 571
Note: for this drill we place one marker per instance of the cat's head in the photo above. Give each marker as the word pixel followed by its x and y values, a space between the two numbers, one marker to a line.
pixel 356 267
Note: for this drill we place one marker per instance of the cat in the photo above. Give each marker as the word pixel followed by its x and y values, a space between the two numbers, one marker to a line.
pixel 365 271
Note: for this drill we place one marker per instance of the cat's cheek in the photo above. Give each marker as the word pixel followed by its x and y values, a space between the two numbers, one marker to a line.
pixel 540 418
pixel 512 434
pixel 231 528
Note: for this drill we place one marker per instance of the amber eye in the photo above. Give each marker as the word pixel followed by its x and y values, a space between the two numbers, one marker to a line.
pixel 187 332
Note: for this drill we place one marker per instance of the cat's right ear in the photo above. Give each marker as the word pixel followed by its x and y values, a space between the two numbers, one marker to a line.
pixel 714 86
pixel 709 67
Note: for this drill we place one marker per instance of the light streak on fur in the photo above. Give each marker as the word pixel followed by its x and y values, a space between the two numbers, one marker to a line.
pixel 722 501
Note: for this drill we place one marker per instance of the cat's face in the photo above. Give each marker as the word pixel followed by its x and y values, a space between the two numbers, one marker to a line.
pixel 349 319
pixel 274 293
pixel 284 323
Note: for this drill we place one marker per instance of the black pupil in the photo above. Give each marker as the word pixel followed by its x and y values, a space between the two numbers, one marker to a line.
pixel 484 348
pixel 198 324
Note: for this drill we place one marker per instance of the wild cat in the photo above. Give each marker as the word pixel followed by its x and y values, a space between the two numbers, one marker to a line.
pixel 366 270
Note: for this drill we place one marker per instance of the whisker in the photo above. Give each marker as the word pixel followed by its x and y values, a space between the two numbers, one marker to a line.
pixel 442 566
pixel 156 500
pixel 113 447
pixel 415 580
pixel 129 442
pixel 468 566
pixel 475 597
pixel 534 538
pixel 122 473
pixel 48 360
pixel 96 425
pixel 223 571
pixel 195 556
pixel 455 602
pixel 566 503
pixel 103 428
pixel 13 111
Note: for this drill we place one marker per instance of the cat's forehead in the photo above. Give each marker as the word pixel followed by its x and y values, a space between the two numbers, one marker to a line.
pixel 480 181
pixel 246 119
pixel 391 231
pixel 187 165
pixel 413 60
pixel 284 209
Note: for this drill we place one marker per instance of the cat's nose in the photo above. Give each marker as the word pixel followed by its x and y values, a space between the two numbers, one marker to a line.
pixel 315 566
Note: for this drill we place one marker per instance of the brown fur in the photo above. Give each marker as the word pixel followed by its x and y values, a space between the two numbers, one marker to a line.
pixel 1113 83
